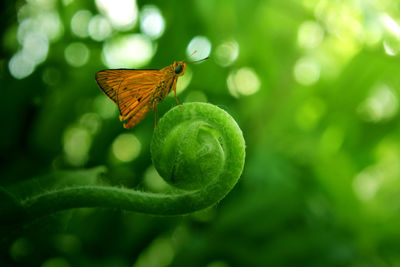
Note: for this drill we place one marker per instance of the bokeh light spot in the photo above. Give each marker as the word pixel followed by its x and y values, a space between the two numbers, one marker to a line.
pixel 67 2
pixel 27 26
pixel 367 183
pixel 51 25
pixel 76 54
pixel 387 153
pixel 226 53
pixel 67 243
pixel 99 28
pixel 196 96
pixel 91 121
pixel 202 45
pixel 126 147
pixel 20 249
pixel 391 43
pixel 390 48
pixel 104 107
pixel 121 13
pixel 243 82
pixel 310 113
pixel 307 71
pixel 390 24
pixel 80 23
pixel 20 65
pixel 372 33
pixel 77 142
pixel 44 22
pixel 152 22
pixel 331 140
pixel 36 46
pixel 184 81
pixel 381 104
pixel 153 181
pixel 160 252
pixel 42 3
pixel 310 35
pixel 128 51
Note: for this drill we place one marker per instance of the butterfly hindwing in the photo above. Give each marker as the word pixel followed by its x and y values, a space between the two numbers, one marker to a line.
pixel 139 115
pixel 132 90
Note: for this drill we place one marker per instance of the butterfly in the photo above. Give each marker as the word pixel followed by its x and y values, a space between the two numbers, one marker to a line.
pixel 136 92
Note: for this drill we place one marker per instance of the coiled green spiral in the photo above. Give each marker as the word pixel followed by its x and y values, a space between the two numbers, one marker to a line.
pixel 198 148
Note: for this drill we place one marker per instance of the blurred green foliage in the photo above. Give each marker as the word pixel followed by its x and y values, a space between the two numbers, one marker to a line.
pixel 314 86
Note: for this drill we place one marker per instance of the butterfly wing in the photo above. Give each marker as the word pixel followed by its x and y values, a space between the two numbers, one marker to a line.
pixel 132 90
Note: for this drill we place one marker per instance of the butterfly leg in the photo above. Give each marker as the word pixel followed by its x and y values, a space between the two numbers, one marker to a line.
pixel 155 114
pixel 155 102
pixel 179 103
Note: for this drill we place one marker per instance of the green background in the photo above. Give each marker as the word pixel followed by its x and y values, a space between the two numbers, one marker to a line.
pixel 313 85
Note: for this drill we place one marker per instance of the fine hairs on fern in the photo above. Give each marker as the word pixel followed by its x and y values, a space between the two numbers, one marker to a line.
pixel 200 150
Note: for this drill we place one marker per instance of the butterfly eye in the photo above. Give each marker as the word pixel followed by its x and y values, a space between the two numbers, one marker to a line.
pixel 178 69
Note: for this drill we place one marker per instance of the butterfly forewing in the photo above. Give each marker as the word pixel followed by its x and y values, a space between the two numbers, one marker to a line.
pixel 136 92
pixel 132 91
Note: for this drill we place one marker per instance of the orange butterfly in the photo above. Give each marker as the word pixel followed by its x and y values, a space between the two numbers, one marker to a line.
pixel 135 92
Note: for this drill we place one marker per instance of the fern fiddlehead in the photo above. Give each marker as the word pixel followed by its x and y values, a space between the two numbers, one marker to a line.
pixel 199 151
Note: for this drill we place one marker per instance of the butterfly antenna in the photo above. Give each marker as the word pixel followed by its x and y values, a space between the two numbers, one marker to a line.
pixel 197 61
pixel 194 52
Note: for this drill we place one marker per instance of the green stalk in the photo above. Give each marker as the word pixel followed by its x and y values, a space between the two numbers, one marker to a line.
pixel 197 147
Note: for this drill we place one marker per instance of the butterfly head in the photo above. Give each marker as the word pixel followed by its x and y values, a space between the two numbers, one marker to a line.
pixel 179 68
